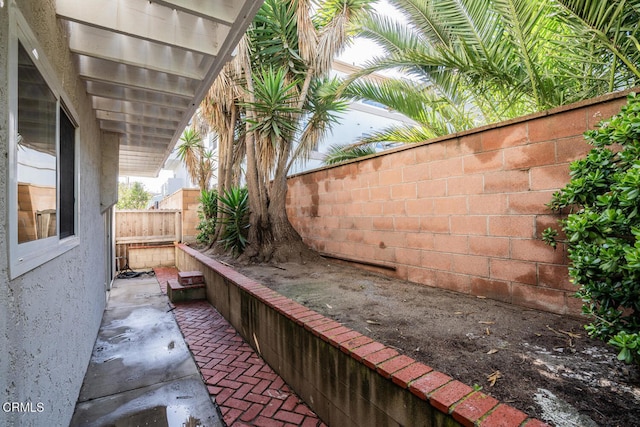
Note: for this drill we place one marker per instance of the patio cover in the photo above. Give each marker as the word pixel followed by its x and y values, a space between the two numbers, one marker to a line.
pixel 148 64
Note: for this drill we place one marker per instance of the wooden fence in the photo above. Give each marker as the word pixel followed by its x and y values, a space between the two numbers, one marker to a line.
pixel 138 229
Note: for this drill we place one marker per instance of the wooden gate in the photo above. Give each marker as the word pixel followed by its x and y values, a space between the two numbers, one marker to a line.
pixel 145 229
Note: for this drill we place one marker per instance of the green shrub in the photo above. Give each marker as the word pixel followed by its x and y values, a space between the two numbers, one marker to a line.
pixel 602 230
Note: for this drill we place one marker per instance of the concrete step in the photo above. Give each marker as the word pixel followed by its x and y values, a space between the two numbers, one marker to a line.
pixel 187 278
pixel 178 293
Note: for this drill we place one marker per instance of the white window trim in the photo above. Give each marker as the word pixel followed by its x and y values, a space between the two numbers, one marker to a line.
pixel 26 256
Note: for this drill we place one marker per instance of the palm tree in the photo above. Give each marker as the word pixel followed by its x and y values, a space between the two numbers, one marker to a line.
pixel 475 62
pixel 277 87
pixel 221 112
pixel 198 161
pixel 290 48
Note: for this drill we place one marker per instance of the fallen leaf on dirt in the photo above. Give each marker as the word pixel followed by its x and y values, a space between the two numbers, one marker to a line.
pixel 328 306
pixel 492 351
pixel 553 330
pixel 458 312
pixel 373 322
pixel 559 332
pixel 493 377
pixel 488 331
pixel 571 334
pixel 486 323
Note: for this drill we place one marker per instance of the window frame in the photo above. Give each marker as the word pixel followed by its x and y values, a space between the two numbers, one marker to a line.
pixel 26 256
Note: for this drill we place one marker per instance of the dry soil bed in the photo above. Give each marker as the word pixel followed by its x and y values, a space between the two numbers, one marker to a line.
pixel 538 362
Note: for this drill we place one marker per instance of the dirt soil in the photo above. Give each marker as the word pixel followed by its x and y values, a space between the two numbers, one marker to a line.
pixel 538 362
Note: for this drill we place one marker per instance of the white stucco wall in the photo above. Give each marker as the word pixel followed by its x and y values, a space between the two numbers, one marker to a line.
pixel 49 317
pixel 4 273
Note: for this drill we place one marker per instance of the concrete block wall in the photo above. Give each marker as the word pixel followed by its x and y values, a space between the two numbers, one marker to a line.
pixel 463 212
pixel 142 257
pixel 347 378
pixel 187 200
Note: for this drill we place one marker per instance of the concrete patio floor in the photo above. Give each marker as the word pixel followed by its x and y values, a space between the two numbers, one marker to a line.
pixel 141 371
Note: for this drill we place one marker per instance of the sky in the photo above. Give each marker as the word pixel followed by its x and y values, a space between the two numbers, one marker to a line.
pixel 362 50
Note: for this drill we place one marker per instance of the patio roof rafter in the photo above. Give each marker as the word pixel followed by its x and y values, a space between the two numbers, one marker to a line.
pixel 148 64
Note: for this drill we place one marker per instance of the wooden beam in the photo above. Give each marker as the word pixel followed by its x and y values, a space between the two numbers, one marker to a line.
pixel 120 48
pixel 148 21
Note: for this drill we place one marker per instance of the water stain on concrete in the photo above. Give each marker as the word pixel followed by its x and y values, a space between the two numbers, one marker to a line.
pixel 141 371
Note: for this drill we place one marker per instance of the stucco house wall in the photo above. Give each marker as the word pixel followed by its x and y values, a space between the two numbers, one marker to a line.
pixel 50 315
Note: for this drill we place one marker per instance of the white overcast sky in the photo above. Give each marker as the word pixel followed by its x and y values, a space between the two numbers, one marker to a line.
pixel 362 50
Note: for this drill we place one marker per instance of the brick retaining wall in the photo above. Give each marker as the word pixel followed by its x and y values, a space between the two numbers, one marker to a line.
pixel 463 212
pixel 347 378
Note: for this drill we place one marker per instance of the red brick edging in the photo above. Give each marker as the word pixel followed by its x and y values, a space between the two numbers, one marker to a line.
pixel 442 392
pixel 246 389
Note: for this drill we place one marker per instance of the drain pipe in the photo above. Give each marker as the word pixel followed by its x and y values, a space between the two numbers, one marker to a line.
pixel 357 261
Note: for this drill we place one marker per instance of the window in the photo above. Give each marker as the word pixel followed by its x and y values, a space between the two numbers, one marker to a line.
pixel 36 153
pixel 67 176
pixel 42 158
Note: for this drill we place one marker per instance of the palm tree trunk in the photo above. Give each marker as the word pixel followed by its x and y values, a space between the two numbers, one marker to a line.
pixel 276 240
pixel 258 217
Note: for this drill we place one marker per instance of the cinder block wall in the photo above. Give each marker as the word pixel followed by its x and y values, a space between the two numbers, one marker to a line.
pixel 185 199
pixel 151 256
pixel 463 212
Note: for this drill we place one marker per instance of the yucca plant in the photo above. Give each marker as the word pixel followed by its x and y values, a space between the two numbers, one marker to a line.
pixel 288 105
pixel 209 203
pixel 234 205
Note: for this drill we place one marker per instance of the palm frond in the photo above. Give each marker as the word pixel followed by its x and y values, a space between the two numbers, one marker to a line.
pixel 189 152
pixel 522 20
pixel 335 19
pixel 400 134
pixel 503 58
pixel 389 34
pixel 323 109
pixel 614 24
pixel 343 153
pixel 421 14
